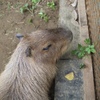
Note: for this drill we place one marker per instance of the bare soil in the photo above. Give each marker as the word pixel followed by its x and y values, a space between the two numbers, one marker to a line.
pixel 13 22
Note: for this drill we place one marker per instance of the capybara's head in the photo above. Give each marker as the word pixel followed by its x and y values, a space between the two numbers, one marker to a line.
pixel 47 45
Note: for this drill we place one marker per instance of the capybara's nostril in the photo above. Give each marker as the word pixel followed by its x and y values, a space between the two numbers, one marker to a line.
pixel 69 35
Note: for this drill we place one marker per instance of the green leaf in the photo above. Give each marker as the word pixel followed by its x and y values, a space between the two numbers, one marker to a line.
pixel 75 52
pixel 91 46
pixel 93 50
pixel 35 1
pixel 87 41
pixel 43 16
pixel 26 5
pixel 33 7
pixel 22 10
pixel 51 5
pixel 81 54
pixel 80 47
pixel 89 51
pixel 82 66
pixel 46 19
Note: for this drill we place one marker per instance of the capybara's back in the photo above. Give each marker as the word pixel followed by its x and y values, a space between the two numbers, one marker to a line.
pixel 32 66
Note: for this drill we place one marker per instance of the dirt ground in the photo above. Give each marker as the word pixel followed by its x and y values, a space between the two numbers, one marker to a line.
pixel 12 21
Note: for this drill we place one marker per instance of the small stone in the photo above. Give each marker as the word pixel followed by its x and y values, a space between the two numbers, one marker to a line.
pixel 70 76
pixel 74 4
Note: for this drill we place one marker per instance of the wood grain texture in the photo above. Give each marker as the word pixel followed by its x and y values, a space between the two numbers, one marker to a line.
pixel 89 93
pixel 93 13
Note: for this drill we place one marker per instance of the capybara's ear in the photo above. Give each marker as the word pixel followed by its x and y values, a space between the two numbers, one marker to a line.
pixel 19 36
pixel 28 52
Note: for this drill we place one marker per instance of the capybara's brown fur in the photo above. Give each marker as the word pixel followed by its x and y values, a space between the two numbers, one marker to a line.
pixel 32 66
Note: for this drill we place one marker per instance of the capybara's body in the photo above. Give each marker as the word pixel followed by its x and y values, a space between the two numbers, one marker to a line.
pixel 32 66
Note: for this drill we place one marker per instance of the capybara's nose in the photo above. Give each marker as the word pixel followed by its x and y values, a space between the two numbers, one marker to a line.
pixel 69 35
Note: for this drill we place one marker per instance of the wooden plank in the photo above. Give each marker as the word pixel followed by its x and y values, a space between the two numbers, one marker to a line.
pixel 89 93
pixel 93 13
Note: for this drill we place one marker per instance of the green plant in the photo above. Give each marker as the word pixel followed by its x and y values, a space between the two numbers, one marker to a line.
pixel 24 8
pixel 35 1
pixel 81 51
pixel 28 7
pixel 51 4
pixel 9 5
pixel 43 16
pixel 82 65
pixel 34 4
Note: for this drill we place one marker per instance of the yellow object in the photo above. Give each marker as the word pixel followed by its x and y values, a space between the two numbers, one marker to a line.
pixel 70 76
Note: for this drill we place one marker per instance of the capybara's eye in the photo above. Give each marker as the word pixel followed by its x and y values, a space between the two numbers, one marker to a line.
pixel 47 47
pixel 28 52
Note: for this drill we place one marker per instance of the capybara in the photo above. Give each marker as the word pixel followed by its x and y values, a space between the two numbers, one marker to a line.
pixel 32 66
